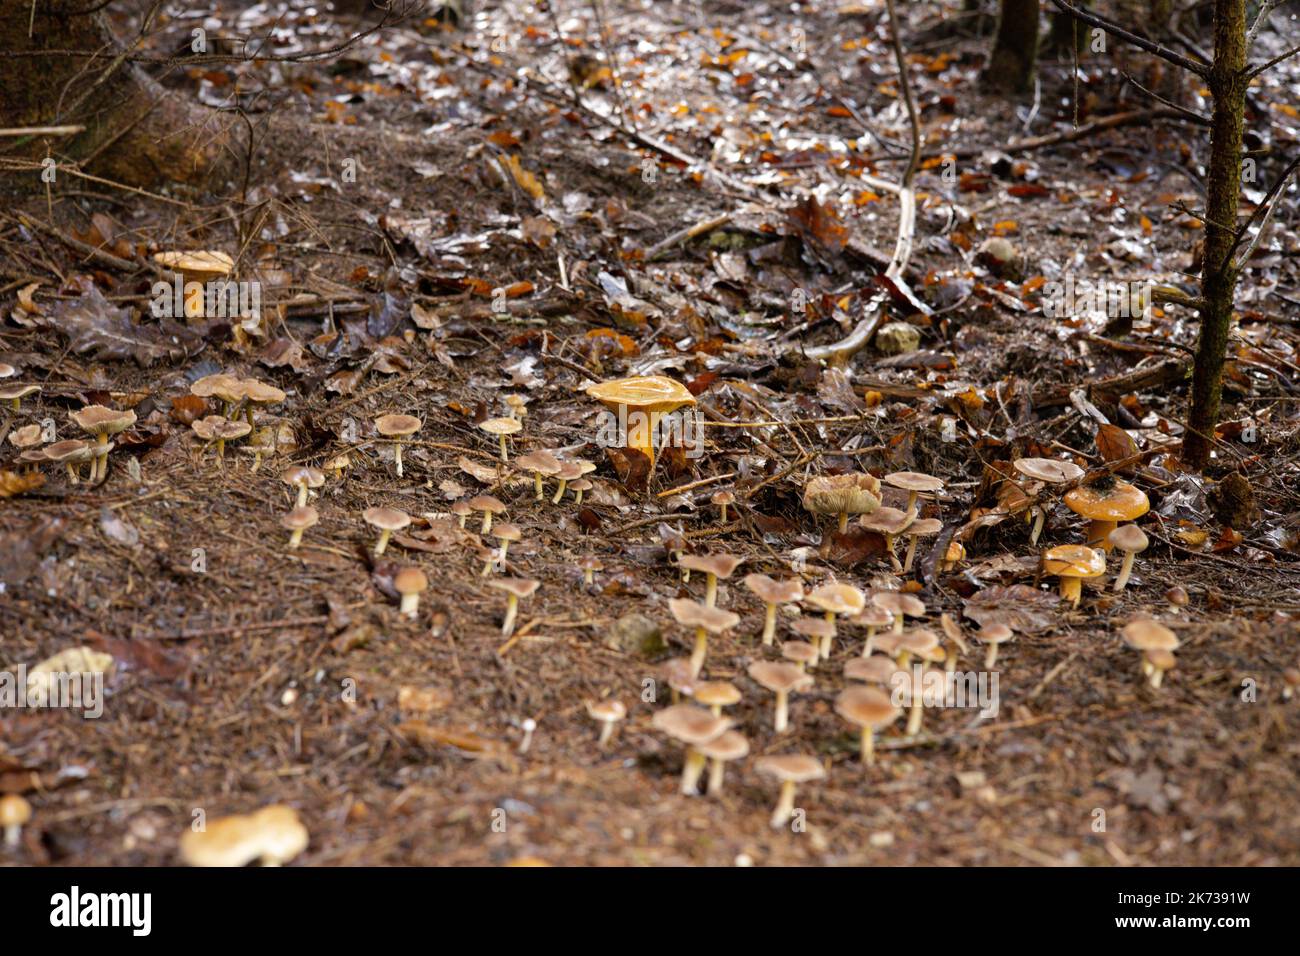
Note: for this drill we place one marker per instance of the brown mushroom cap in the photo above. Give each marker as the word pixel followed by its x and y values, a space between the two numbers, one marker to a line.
pixel 837 598
pixel 913 481
pixel 677 672
pixel 397 426
pixel 519 587
pixel 1120 502
pixel 1051 470
pixel 887 520
pixel 690 724
pixel 771 591
pixel 723 498
pixel 923 527
pixel 801 652
pixel 729 745
pixel 386 519
pixel 487 503
pixel 500 426
pixel 1147 635
pixel 260 393
pixel 10 392
pixel 1129 537
pixel 299 475
pixel 97 420
pixel 1074 561
pixel 505 531
pixel 873 615
pixel 608 711
pixel 15 811
pixel 854 493
pixel 225 387
pixel 719 565
pixel 815 627
pixel 871 670
pixel 70 449
pixel 866 707
pixel 410 580
pixel 219 428
pixel 7 370
pixel 715 620
pixel 299 519
pixel 1160 658
pixel 25 437
pixel 716 693
pixel 995 634
pixel 461 508
pixel 791 768
pixel 896 602
pixel 779 678
pixel 542 462
pixel 918 640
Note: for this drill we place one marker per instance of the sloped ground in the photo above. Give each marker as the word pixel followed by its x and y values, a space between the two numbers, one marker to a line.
pixel 273 677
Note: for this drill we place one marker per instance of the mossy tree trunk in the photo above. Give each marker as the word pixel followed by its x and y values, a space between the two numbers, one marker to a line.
pixel 1227 82
pixel 1015 48
pixel 65 67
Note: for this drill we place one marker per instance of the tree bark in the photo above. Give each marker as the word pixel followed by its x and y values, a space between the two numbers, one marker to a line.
pixel 1228 83
pixel 1015 48
pixel 66 67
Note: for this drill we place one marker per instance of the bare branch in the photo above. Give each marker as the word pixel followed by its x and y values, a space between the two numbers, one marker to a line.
pixel 1266 207
pixel 1263 67
pixel 1260 19
pixel 1142 43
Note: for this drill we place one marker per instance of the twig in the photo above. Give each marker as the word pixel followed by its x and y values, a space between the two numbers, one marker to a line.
pixel 41 131
pixel 1142 43
pixel 685 235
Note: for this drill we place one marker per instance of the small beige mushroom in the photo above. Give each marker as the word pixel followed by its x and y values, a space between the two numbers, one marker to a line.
pixel 706 620
pixel 410 583
pixel 462 511
pixel 782 680
pixel 992 635
pixel 716 694
pixel 692 726
pixel 729 745
pixel 505 533
pixel 805 654
pixel 489 506
pixel 1050 471
pixel 890 523
pixel 870 670
pixel 15 813
pixel 920 528
pixel 227 389
pixel 297 521
pixel 914 483
pixel 790 770
pixel 14 394
pixel 1144 635
pixel 832 599
pixel 1132 540
pixel 723 499
pixel 897 604
pixel 100 422
pixel 714 566
pixel 869 708
pixel 515 588
pixel 500 428
pixel 579 487
pixel 608 713
pixel 1158 661
pixel 872 617
pixel 254 393
pixel 214 428
pixel 589 566
pixel 397 427
pixel 773 593
pixel 387 520
pixel 302 478
pixel 855 493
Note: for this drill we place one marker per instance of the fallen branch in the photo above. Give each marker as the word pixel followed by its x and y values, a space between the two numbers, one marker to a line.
pixel 1156 376
pixel 13 131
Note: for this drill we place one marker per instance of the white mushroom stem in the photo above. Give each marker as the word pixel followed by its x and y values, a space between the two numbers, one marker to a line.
pixel 867 748
pixel 701 649
pixel 871 639
pixel 382 544
pixel 397 456
pixel 1040 515
pixel 782 723
pixel 13 834
pixel 990 655
pixel 1125 570
pixel 410 604
pixel 1157 675
pixel 295 539
pixel 505 454
pixel 769 625
pixel 692 770
pixel 577 497
pixel 487 522
pixel 898 622
pixel 826 647
pixel 512 609
pixel 487 566
pixel 711 590
pixel 722 517
pixel 893 558
pixel 537 484
pixel 716 769
pixel 589 576
pixel 911 554
pixel 302 495
pixel 563 483
pixel 606 731
pixel 784 804
pixel 914 716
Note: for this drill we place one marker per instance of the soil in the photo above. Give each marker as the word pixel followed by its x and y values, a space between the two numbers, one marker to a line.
pixel 247 674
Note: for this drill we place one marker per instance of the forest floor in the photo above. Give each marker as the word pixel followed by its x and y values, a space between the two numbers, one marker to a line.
pixel 379 218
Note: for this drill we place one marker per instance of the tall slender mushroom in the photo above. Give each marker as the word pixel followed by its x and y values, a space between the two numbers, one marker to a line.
pixel 789 769
pixel 729 745
pixel 706 620
pixel 870 709
pixel 543 465
pixel 489 506
pixel 1132 540
pixel 889 522
pixel 914 483
pixel 714 566
pixel 856 493
pixel 832 599
pixel 297 521
pixel 607 713
pixel 773 593
pixel 100 422
pixel 1071 563
pixel 1049 471
pixel 397 427
pixel 898 604
pixel 259 393
pixel 692 726
pixel 640 403
pixel 723 499
pixel 716 694
pixel 505 533
pixel 14 394
pixel 992 635
pixel 387 520
pixel 302 478
pixel 515 588
pixel 782 680
pixel 500 428
pixel 872 617
pixel 214 428
pixel 920 528
pixel 70 453
pixel 1145 635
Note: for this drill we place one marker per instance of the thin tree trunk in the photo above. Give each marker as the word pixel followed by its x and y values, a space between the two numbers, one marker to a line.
pixel 1015 48
pixel 1228 84
pixel 136 132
